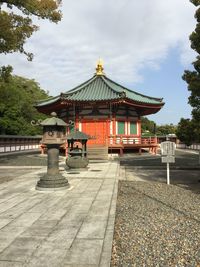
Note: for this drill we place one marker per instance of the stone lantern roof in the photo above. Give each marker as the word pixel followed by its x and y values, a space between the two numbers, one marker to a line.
pixel 77 135
pixel 53 121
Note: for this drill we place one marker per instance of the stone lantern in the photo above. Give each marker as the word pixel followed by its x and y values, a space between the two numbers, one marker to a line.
pixel 77 156
pixel 53 137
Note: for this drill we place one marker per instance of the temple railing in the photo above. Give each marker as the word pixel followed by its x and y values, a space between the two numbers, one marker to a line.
pixel 131 140
pixel 13 143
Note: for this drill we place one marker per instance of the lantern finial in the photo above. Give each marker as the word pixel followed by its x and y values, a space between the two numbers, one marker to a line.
pixel 99 67
pixel 53 114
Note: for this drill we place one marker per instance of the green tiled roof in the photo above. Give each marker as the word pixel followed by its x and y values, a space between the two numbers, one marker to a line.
pixel 77 135
pixel 101 88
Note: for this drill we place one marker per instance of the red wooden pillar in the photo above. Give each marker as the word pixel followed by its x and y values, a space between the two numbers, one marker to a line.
pixel 114 127
pixel 139 129
pixel 107 131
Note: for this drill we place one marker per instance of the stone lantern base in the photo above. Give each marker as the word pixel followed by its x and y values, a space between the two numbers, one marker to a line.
pixel 52 180
pixel 52 183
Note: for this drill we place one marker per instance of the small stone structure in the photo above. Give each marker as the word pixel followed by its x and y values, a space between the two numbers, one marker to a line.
pixel 53 137
pixel 77 156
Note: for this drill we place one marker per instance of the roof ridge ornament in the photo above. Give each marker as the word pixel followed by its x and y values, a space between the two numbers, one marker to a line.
pixel 99 67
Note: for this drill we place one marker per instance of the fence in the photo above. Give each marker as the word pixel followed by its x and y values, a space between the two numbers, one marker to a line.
pixel 131 140
pixel 193 146
pixel 12 143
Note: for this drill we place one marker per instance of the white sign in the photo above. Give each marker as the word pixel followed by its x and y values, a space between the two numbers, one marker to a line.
pixel 167 148
pixel 168 155
pixel 168 159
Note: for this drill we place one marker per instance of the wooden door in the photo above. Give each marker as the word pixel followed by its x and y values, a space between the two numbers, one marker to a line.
pixel 98 130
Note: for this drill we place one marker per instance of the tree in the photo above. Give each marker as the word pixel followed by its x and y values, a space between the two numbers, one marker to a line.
pixel 148 126
pixel 15 28
pixel 193 77
pixel 166 129
pixel 185 132
pixel 17 98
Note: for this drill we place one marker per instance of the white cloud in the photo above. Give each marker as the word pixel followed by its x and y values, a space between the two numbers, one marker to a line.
pixel 129 35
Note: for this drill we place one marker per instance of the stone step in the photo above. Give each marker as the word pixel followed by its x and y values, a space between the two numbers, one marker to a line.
pixel 97 152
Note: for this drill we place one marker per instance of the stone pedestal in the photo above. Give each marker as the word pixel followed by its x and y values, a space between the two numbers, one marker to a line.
pixel 52 180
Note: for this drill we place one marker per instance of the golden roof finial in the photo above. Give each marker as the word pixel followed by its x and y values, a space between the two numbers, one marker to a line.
pixel 99 68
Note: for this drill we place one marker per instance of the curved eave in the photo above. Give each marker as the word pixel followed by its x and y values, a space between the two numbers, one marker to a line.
pixel 47 102
pixel 143 104
pixel 48 107
pixel 144 108
pixel 58 102
pixel 116 100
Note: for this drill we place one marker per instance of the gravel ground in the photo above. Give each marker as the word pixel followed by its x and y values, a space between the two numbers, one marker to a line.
pixel 156 225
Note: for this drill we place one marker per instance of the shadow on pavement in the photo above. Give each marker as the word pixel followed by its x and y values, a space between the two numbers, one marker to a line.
pixel 184 173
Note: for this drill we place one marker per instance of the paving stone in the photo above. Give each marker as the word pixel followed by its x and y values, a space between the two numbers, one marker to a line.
pixel 45 224
pixel 28 242
pixel 105 259
pixel 11 203
pixel 5 242
pixel 45 204
pixel 84 251
pixel 36 231
pixel 47 256
pixel 6 194
pixel 93 228
pixel 4 222
pixel 107 244
pixel 13 253
pixel 10 264
pixel 20 249
pixel 102 202
pixel 72 218
pixel 25 220
pixel 41 228
pixel 65 202
pixel 54 214
pixel 11 231
pixel 60 235
pixel 19 209
pixel 97 211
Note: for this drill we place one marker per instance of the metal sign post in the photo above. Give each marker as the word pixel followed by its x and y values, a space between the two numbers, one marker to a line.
pixel 168 178
pixel 199 156
pixel 168 155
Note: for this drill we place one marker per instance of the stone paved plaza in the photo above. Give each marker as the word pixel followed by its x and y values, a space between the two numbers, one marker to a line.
pixel 73 227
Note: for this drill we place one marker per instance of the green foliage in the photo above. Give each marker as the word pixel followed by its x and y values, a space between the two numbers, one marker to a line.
pixel 193 77
pixel 166 129
pixel 187 132
pixel 17 98
pixel 195 2
pixel 15 28
pixel 148 126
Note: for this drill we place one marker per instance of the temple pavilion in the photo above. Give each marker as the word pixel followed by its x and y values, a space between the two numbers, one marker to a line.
pixel 107 111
